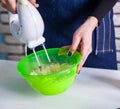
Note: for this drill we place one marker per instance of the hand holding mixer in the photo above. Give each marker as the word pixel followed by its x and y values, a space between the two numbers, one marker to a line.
pixel 28 26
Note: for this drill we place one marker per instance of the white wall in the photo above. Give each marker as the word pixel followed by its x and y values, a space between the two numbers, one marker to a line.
pixel 116 9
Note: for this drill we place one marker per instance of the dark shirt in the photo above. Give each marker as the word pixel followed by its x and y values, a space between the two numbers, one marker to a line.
pixel 102 8
pixel 97 8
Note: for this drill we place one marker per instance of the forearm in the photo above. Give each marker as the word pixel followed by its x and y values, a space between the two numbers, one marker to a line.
pixel 102 8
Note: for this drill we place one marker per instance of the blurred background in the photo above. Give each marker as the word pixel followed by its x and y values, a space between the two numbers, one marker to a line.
pixel 12 49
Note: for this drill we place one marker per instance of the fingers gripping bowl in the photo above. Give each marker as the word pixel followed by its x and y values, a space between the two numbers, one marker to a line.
pixel 55 82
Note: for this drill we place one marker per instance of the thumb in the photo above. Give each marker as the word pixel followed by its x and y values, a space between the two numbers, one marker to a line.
pixel 34 3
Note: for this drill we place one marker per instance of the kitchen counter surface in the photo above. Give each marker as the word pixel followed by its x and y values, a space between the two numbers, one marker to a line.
pixel 92 89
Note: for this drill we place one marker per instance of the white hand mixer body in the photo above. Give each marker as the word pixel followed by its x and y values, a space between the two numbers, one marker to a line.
pixel 28 26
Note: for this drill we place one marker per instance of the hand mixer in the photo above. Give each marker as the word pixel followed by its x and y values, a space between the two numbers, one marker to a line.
pixel 28 26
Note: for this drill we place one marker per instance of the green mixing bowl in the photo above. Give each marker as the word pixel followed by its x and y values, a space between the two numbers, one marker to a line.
pixel 54 83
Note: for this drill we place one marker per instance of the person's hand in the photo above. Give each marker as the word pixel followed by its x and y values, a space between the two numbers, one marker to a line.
pixel 82 39
pixel 10 5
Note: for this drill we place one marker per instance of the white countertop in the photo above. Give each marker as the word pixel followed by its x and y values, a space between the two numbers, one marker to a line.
pixel 92 89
